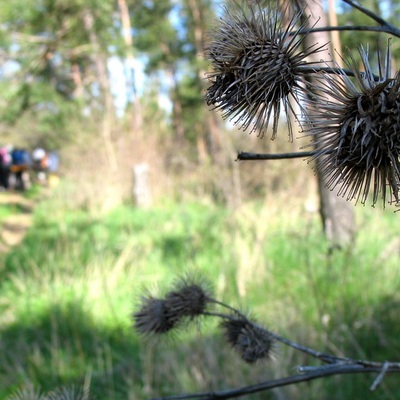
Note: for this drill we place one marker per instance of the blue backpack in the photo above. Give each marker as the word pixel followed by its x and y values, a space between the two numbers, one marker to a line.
pixel 20 157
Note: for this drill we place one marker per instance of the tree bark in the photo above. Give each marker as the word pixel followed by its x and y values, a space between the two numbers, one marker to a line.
pixel 100 64
pixel 137 117
pixel 337 214
pixel 177 109
pixel 77 78
pixel 335 37
pixel 210 136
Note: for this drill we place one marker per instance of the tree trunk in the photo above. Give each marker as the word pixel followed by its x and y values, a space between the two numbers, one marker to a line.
pixel 337 214
pixel 77 78
pixel 177 109
pixel 211 131
pixel 137 117
pixel 100 64
pixel 335 37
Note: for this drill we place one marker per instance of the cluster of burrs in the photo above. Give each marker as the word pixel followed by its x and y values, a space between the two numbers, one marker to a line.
pixel 260 67
pixel 189 300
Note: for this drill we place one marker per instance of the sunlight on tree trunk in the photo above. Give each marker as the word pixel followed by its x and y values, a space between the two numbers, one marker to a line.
pixel 337 214
pixel 177 111
pixel 99 60
pixel 137 117
pixel 210 135
pixel 335 37
pixel 77 78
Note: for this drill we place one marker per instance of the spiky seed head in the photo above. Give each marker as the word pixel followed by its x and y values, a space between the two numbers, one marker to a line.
pixel 187 300
pixel 256 68
pixel 356 129
pixel 189 297
pixel 28 393
pixel 68 393
pixel 251 341
pixel 154 316
pixel 191 301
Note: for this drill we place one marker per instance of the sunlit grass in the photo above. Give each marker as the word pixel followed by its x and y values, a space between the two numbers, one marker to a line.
pixel 68 291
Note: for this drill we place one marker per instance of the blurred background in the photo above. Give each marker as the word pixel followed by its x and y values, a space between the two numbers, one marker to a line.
pixel 145 187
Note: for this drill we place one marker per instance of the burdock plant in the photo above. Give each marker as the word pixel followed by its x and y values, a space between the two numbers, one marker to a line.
pixel 258 66
pixel 190 299
pixel 61 393
pixel 261 68
pixel 253 343
pixel 355 124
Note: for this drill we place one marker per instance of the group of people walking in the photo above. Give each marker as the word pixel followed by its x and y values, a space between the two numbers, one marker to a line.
pixel 19 167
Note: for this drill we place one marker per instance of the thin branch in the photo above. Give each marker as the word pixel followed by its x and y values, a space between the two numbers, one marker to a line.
pixel 244 156
pixel 383 25
pixel 370 14
pixel 335 71
pixel 335 365
pixel 217 314
pixel 329 70
pixel 363 28
pixel 328 358
pixel 234 310
pixel 321 372
pixel 380 377
pixel 19 36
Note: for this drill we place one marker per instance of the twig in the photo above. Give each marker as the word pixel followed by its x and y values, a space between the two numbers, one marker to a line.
pixel 380 377
pixel 329 70
pixel 335 365
pixel 328 358
pixel 359 28
pixel 334 71
pixel 370 14
pixel 244 156
pixel 338 369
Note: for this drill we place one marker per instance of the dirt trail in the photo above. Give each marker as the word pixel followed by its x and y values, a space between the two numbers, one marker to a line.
pixel 14 227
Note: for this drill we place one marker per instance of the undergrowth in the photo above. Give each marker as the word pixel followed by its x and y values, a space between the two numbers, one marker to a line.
pixel 68 291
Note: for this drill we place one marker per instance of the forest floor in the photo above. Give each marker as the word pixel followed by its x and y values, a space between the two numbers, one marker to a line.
pixel 14 226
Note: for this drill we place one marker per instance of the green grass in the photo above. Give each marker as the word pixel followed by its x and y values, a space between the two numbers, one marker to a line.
pixel 7 210
pixel 68 291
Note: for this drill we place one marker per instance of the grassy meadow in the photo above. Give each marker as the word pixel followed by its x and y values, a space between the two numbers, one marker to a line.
pixel 69 289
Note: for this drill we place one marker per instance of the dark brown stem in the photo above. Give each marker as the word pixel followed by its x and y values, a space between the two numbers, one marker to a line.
pixel 329 70
pixel 391 30
pixel 328 358
pixel 244 156
pixel 369 13
pixel 316 373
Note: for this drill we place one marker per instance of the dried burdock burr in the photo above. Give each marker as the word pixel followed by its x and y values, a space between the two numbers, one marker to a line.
pixel 257 66
pixel 154 316
pixel 187 300
pixel 355 126
pixel 251 341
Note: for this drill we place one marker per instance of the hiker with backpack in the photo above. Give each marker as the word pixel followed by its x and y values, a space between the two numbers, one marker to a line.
pixel 40 164
pixel 21 162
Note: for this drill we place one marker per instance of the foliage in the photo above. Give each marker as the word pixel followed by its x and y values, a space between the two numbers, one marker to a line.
pixel 376 41
pixel 164 33
pixel 352 118
pixel 67 294
pixel 66 291
pixel 47 61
